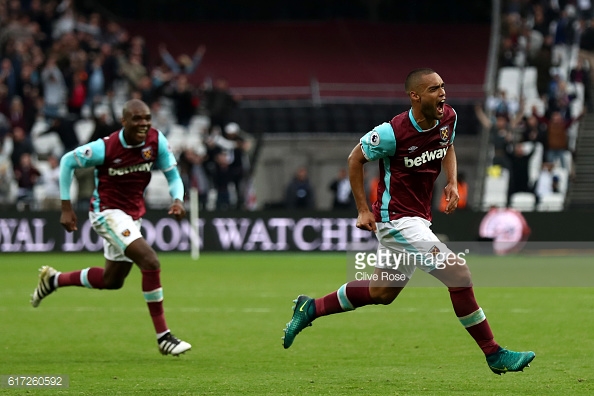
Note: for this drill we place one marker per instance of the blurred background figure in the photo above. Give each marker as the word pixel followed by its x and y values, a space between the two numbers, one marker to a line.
pixel 27 177
pixel 341 189
pixel 300 193
pixel 50 180
pixel 218 103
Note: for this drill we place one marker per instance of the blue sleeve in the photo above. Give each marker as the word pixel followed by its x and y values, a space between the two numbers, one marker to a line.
pixel 455 123
pixel 167 163
pixel 176 186
pixel 165 158
pixel 379 143
pixel 85 156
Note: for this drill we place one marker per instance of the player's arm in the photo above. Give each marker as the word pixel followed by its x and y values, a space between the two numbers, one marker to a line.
pixel 356 160
pixel 85 156
pixel 176 190
pixel 450 166
pixel 167 163
pixel 376 144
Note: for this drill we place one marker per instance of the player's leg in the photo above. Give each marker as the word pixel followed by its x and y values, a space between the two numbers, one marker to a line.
pixel 145 257
pixel 110 277
pixel 456 276
pixel 351 295
pixel 382 288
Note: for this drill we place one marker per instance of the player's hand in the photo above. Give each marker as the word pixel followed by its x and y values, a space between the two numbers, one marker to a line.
pixel 366 221
pixel 452 197
pixel 68 219
pixel 177 209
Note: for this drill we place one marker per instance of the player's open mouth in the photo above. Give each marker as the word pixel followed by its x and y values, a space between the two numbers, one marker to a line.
pixel 440 106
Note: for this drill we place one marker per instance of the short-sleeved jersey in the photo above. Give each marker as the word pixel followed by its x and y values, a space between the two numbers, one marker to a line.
pixel 409 162
pixel 122 172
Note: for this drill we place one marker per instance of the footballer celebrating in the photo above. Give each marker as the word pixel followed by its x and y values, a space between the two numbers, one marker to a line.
pixel 123 162
pixel 411 150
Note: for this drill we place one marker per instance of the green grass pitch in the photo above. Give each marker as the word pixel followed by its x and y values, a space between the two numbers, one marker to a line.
pixel 232 309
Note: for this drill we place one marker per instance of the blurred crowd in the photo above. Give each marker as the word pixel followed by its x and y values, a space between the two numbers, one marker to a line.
pixel 537 127
pixel 64 76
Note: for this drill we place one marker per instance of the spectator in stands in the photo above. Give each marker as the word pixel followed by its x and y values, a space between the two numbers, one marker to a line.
pixel 8 76
pixel 580 75
pixel 519 155
pixel 162 119
pixel 500 135
pixel 54 88
pixel 547 182
pixel 501 105
pixel 184 64
pixel 341 189
pixel 96 80
pixel 104 118
pixel 145 90
pixel 221 179
pixel 4 100
pixel 219 103
pixel 77 96
pixel 584 9
pixel 507 53
pixel 565 34
pixel 534 131
pixel 64 127
pixel 132 69
pixel 239 162
pixel 557 137
pixel 21 144
pixel 6 175
pixel 109 65
pixel 587 47
pixel 192 172
pixel 5 126
pixel 541 21
pixel 50 179
pixel 26 176
pixel 543 62
pixel 300 193
pixel 182 94
pixel 18 116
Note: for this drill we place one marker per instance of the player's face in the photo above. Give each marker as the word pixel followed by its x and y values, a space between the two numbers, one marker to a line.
pixel 136 122
pixel 432 93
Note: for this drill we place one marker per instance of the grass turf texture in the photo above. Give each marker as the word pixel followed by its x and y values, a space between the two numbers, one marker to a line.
pixel 232 308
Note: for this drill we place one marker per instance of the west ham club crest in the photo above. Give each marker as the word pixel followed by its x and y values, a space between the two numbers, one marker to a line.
pixel 444 133
pixel 147 153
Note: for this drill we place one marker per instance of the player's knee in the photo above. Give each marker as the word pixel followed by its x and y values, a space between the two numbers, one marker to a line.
pixel 148 261
pixel 464 277
pixel 151 263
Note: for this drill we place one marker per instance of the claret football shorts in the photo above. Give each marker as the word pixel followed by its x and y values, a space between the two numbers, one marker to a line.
pixel 118 230
pixel 408 243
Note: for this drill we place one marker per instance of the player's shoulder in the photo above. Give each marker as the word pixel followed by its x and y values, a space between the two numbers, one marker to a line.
pixel 449 111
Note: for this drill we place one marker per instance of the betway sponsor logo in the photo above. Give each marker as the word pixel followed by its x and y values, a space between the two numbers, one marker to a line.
pixel 426 156
pixel 146 167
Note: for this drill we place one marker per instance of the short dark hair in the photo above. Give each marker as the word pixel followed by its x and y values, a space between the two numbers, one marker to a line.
pixel 413 78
